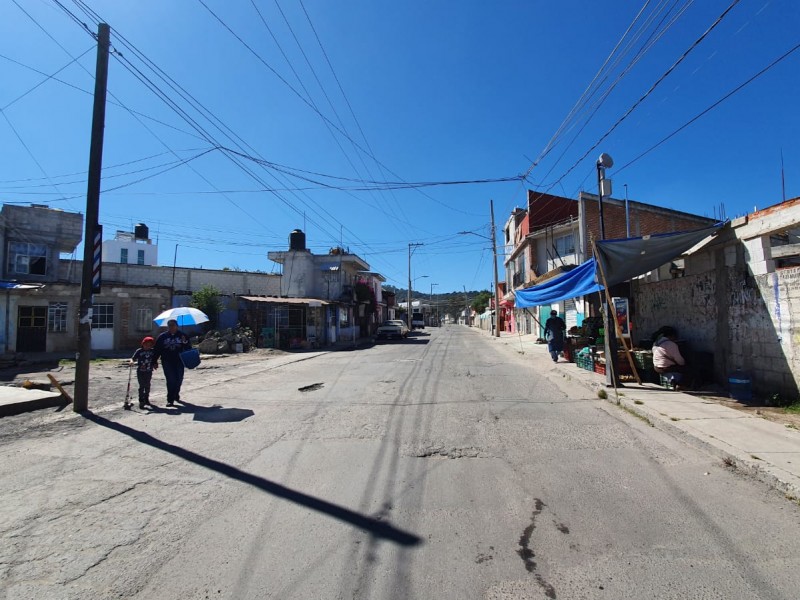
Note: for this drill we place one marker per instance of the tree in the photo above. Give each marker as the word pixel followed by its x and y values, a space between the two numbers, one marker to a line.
pixel 207 300
pixel 481 301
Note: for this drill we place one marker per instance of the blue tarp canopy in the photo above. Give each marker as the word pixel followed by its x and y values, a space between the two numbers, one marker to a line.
pixel 622 259
pixel 578 282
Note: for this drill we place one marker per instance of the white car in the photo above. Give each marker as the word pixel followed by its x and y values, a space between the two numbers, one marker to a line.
pixel 392 329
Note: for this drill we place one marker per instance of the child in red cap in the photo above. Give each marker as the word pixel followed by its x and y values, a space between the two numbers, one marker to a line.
pixel 146 363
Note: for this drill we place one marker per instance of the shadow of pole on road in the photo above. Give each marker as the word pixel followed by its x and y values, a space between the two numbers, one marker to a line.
pixel 373 526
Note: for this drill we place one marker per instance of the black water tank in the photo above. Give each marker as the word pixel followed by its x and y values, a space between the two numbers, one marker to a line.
pixel 141 232
pixel 297 240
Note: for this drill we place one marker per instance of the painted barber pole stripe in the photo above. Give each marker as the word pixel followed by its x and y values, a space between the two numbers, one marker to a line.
pixel 97 254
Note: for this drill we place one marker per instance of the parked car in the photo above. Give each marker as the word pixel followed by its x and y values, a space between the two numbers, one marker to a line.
pixel 392 329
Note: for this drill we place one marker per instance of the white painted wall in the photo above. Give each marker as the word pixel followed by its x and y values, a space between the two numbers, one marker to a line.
pixel 112 252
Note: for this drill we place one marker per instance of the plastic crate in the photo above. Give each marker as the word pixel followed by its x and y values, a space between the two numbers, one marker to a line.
pixel 600 368
pixel 643 360
pixel 666 381
pixel 584 361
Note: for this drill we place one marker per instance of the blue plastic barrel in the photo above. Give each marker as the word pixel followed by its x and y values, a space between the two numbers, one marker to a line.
pixel 740 386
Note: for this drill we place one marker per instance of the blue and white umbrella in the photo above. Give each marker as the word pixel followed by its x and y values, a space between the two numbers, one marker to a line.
pixel 184 315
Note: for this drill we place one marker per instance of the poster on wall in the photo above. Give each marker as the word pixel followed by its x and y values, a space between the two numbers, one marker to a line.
pixel 622 314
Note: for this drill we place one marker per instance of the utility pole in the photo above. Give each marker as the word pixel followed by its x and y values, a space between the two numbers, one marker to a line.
pixel 88 286
pixel 431 317
pixel 408 306
pixel 466 307
pixel 610 331
pixel 496 283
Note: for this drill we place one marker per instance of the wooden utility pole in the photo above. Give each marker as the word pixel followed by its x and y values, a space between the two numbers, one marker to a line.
pixel 90 282
pixel 496 282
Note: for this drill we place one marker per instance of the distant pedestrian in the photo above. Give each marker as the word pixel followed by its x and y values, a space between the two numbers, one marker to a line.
pixel 145 360
pixel 169 346
pixel 554 330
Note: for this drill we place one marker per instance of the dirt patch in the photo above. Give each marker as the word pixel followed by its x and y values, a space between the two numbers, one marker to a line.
pixel 108 381
pixel 770 413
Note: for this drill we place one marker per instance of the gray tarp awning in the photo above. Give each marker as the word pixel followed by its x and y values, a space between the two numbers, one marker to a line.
pixel 621 260
pixel 625 259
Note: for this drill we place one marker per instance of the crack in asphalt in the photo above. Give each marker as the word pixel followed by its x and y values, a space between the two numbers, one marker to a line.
pixel 527 554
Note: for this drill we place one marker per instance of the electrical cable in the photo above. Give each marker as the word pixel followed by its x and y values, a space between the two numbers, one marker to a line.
pixel 711 107
pixel 652 87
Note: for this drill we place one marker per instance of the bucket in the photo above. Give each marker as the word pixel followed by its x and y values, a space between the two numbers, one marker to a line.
pixel 740 386
pixel 190 358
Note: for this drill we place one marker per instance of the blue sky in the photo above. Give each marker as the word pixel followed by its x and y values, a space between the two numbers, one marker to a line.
pixel 430 92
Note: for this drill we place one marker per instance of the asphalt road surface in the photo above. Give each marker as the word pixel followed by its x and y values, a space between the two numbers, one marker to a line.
pixel 443 466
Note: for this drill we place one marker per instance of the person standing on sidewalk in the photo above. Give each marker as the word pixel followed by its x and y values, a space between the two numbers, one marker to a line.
pixel 554 329
pixel 169 346
pixel 146 363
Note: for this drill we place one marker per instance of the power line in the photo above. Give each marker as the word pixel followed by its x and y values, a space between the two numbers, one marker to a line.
pixel 653 87
pixel 711 107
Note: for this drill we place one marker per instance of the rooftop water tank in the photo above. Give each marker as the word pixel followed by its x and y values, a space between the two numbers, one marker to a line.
pixel 297 240
pixel 141 232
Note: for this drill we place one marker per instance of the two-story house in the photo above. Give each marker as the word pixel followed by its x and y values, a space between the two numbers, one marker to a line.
pixel 33 237
pixel 559 238
pixel 324 298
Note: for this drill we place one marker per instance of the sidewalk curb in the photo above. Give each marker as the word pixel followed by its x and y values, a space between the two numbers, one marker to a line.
pixel 733 459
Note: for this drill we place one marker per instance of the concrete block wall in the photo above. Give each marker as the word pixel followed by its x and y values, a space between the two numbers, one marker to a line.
pixel 127 300
pixel 191 280
pixel 686 303
pixel 748 322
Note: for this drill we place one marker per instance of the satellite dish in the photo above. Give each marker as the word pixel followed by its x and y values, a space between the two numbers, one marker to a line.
pixel 605 161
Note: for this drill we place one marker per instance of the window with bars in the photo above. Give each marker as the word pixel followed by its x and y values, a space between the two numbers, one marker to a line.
pixel 140 257
pixel 57 316
pixel 144 319
pixel 123 256
pixel 27 259
pixel 103 316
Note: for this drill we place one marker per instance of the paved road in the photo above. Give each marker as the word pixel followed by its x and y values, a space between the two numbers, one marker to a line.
pixel 439 467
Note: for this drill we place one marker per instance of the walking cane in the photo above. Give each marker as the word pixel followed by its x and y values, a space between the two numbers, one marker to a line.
pixel 128 404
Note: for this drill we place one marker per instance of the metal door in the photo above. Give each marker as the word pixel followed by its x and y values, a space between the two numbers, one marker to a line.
pixel 102 327
pixel 32 329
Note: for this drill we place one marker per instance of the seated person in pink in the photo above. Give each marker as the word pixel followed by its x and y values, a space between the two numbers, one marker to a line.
pixel 667 358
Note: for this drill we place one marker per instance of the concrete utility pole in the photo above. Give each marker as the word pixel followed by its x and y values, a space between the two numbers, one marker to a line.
pixel 496 283
pixel 90 283
pixel 408 307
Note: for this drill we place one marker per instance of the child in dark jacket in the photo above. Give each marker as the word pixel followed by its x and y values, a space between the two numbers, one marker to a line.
pixel 146 362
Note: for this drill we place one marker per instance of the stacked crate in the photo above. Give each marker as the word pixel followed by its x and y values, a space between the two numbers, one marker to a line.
pixel 644 364
pixel 584 361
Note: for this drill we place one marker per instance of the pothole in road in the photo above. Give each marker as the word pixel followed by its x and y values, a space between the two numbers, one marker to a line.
pixel 442 451
pixel 311 388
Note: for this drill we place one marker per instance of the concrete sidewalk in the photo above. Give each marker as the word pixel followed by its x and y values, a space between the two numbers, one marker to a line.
pixel 769 451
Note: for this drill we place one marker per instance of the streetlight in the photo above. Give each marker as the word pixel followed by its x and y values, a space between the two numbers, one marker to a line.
pixel 431 301
pixel 410 297
pixel 411 247
pixel 603 186
pixel 496 320
pixel 610 338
